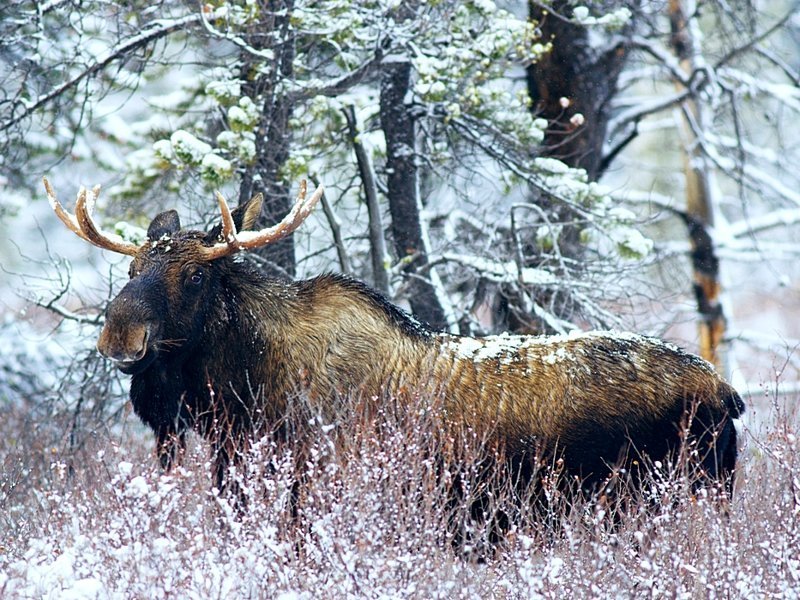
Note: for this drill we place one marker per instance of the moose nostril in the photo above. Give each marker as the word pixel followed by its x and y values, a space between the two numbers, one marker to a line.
pixel 143 348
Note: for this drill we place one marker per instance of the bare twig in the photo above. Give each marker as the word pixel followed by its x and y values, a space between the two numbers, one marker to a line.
pixel 376 239
pixel 339 85
pixel 753 41
pixel 637 113
pixel 336 229
pixel 157 30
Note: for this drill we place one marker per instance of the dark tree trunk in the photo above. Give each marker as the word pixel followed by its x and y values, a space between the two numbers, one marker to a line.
pixel 574 78
pixel 403 190
pixel 584 78
pixel 583 75
pixel 272 135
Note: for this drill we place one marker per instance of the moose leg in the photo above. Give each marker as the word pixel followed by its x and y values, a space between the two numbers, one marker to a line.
pixel 229 450
pixel 729 454
pixel 717 446
pixel 170 447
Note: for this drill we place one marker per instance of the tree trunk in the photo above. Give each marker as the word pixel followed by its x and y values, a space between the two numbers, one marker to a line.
pixel 577 73
pixel 700 189
pixel 403 191
pixel 377 244
pixel 272 134
pixel 575 78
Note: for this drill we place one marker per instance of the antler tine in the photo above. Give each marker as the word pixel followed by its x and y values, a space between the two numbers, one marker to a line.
pixel 82 224
pixel 69 220
pixel 228 226
pixel 300 211
pixel 235 241
pixel 108 241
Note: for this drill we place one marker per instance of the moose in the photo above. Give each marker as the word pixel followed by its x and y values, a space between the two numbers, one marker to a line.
pixel 214 345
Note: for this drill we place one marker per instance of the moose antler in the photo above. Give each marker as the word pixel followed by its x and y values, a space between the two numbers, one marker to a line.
pixel 235 241
pixel 82 224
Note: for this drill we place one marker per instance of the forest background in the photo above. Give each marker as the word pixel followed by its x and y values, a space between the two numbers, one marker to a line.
pixel 525 167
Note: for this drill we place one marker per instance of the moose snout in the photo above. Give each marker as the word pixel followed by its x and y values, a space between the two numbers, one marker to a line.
pixel 124 344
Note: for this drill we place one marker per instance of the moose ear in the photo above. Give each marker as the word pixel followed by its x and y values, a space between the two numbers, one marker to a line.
pixel 245 215
pixel 165 223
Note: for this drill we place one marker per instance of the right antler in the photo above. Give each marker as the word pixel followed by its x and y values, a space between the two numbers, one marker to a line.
pixel 82 224
pixel 234 241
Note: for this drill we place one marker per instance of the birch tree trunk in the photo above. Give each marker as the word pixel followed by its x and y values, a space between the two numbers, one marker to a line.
pixel 700 185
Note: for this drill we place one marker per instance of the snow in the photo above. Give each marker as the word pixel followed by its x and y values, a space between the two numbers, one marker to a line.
pixel 138 487
pixel 580 13
pixel 188 148
pixel 130 233
pixel 215 168
pixel 631 243
pixel 501 271
pixel 558 355
pixel 224 90
pixel 612 20
pixel 163 150
pixel 551 349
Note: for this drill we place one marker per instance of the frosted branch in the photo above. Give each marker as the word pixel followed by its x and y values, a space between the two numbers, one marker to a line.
pixel 636 113
pixel 338 85
pixel 265 54
pixel 778 218
pixel 157 30
pixel 665 58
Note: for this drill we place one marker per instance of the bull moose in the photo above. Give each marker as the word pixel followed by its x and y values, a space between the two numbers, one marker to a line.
pixel 209 340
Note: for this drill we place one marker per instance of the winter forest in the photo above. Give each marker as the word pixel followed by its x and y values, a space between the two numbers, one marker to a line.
pixel 531 168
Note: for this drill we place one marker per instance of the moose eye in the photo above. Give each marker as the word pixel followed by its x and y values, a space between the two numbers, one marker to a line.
pixel 196 278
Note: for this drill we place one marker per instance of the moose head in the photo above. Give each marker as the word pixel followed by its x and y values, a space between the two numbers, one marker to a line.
pixel 174 273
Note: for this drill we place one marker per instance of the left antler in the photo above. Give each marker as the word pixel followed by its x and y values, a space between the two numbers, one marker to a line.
pixel 235 241
pixel 82 224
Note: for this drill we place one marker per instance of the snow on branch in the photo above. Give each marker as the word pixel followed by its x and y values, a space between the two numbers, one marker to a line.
pixel 777 218
pixel 500 271
pixel 646 198
pixel 788 95
pixel 521 162
pixel 337 86
pixel 155 31
pixel 754 177
pixel 636 113
pixel 264 53
pixel 667 59
pixel 757 38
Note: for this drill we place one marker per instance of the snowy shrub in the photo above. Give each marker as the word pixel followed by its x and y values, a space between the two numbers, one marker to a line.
pixel 364 511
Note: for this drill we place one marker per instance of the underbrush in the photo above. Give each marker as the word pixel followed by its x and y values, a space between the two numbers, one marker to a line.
pixel 369 510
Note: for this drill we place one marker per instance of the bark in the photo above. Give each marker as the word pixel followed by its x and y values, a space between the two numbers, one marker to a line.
pixel 376 242
pixel 576 77
pixel 272 135
pixel 336 230
pixel 586 77
pixel 699 175
pixel 403 191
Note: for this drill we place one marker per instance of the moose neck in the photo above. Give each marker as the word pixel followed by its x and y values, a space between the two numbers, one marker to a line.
pixel 327 335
